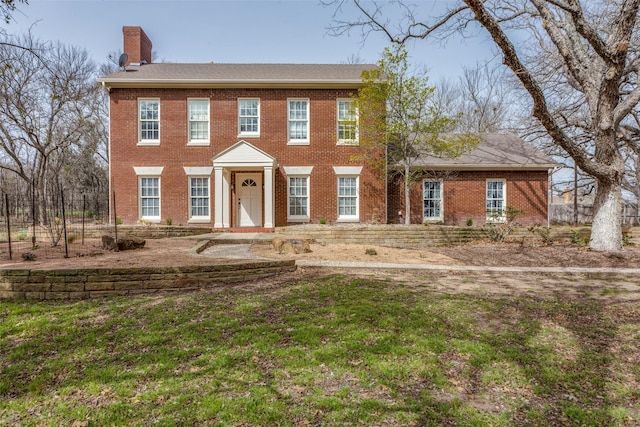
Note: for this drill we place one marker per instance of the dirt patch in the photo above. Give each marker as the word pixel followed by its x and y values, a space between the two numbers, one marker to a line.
pixel 181 251
pixel 477 254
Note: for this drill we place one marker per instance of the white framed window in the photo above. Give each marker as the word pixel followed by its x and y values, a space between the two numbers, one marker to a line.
pixel 149 193
pixel 298 114
pixel 199 199
pixel 496 200
pixel 298 200
pixel 249 117
pixel 347 123
pixel 348 198
pixel 432 200
pixel 148 121
pixel 198 115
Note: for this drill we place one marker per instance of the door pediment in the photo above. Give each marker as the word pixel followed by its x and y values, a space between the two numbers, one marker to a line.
pixel 243 154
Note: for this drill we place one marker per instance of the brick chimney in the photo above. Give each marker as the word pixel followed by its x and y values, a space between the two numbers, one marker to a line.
pixel 136 45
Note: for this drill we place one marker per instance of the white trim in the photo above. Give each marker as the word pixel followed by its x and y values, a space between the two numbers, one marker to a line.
pixel 248 134
pixel 502 218
pixel 354 141
pixel 347 170
pixel 154 219
pixel 148 170
pixel 298 141
pixel 297 170
pixel 148 142
pixel 299 218
pixel 426 219
pixel 202 218
pixel 348 218
pixel 198 170
pixel 198 142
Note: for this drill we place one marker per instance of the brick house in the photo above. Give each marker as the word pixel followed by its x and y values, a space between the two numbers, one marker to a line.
pixel 235 146
pixel 502 171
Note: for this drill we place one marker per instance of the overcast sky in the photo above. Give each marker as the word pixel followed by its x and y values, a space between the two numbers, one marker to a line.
pixel 240 31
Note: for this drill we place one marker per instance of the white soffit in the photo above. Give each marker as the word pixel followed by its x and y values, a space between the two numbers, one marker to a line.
pixel 198 170
pixel 243 154
pixel 148 170
pixel 297 170
pixel 347 170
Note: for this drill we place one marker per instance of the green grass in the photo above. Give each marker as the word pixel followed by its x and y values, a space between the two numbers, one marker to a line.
pixel 329 351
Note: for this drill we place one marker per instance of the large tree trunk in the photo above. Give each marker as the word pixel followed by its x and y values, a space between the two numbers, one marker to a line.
pixel 606 229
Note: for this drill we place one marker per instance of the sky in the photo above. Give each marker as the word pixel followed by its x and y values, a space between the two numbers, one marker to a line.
pixel 239 31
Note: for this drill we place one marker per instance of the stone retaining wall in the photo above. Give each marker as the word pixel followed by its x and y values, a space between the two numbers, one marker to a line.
pixel 100 282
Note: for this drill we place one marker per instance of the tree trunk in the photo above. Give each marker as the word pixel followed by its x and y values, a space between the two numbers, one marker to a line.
pixel 407 196
pixel 606 229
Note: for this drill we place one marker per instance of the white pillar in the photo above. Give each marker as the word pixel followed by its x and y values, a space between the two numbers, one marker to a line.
pixel 269 197
pixel 226 198
pixel 218 202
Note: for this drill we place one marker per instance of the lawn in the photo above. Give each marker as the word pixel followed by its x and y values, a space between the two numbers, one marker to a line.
pixel 332 350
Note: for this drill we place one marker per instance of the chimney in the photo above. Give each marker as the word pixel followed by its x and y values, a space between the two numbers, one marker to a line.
pixel 136 45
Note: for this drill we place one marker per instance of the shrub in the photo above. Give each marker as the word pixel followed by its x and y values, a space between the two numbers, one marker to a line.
pixel 29 256
pixel 469 222
pixel 498 231
pixel 322 220
pixel 118 221
pixel 370 251
pixel 169 221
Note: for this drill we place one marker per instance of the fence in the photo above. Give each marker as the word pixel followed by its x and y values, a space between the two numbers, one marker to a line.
pixel 69 230
pixel 564 214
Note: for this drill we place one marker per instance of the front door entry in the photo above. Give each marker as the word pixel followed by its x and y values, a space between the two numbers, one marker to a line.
pixel 249 199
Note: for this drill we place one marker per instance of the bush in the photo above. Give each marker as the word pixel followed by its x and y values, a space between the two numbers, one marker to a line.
pixel 498 231
pixel 370 251
pixel 469 222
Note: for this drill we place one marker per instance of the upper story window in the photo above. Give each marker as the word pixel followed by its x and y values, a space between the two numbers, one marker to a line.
pixel 299 121
pixel 149 121
pixel 347 122
pixel 496 200
pixel 198 122
pixel 249 117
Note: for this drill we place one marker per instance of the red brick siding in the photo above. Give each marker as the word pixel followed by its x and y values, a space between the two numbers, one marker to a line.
pixel 173 152
pixel 464 196
pixel 136 45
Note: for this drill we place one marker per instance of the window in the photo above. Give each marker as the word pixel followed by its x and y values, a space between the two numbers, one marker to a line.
pixel 199 199
pixel 299 121
pixel 432 200
pixel 298 198
pixel 496 197
pixel 149 117
pixel 198 122
pixel 249 117
pixel 347 122
pixel 347 198
pixel 150 198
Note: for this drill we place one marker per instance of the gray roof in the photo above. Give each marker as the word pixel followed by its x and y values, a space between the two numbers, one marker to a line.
pixel 495 151
pixel 239 75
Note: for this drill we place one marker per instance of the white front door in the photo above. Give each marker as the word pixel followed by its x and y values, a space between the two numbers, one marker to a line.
pixel 249 187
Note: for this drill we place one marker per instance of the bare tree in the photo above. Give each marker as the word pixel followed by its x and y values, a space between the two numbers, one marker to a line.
pixel 482 99
pixel 8 7
pixel 44 111
pixel 592 53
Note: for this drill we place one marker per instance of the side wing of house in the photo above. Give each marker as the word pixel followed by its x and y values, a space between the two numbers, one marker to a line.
pixel 502 173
